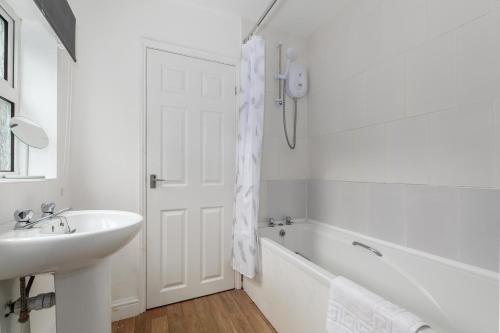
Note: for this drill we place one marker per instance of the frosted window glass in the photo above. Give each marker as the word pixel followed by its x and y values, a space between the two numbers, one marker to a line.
pixel 5 136
pixel 3 48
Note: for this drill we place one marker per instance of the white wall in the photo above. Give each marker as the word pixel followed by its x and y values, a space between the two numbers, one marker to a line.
pixel 108 109
pixel 30 194
pixel 404 124
pixel 38 87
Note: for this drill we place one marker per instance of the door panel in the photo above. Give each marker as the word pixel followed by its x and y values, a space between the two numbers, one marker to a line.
pixel 173 145
pixel 173 249
pixel 212 234
pixel 190 146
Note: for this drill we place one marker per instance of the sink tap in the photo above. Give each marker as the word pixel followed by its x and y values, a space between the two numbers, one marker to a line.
pixel 48 208
pixel 24 218
pixel 271 222
pixel 288 220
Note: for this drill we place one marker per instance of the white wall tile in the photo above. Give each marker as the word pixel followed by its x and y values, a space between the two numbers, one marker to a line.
pixel 496 142
pixel 368 146
pixel 334 53
pixel 287 198
pixel 403 25
pixel 273 121
pixel 478 59
pixel 386 91
pixel 343 204
pixel 495 5
pixel 461 147
pixel 408 150
pixel 320 160
pixel 331 156
pixel 271 62
pixel 431 76
pixel 444 15
pixel 351 206
pixel 364 33
pixel 364 7
pixel 326 59
pixel 432 220
pixel 386 212
pixel 280 162
pixel 479 227
pixel 322 196
pixel 263 212
pixel 350 108
pixel 322 105
pixel 340 156
pixel 270 117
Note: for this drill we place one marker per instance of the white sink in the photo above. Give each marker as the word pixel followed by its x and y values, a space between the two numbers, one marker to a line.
pixel 78 259
pixel 97 235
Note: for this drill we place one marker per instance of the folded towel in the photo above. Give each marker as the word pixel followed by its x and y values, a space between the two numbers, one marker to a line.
pixel 353 309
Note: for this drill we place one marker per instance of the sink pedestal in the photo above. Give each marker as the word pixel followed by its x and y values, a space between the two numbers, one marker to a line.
pixel 83 299
pixel 80 260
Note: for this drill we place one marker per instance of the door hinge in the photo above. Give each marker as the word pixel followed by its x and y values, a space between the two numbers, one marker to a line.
pixel 236 91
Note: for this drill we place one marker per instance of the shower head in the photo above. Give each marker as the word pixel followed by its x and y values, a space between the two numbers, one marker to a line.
pixel 292 54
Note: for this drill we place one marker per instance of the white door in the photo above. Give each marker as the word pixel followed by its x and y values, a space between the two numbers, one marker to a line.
pixel 191 106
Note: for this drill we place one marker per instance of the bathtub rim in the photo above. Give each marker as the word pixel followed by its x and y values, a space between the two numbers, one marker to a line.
pixel 463 267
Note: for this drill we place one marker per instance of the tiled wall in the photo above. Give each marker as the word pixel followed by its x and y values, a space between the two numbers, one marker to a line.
pixel 284 171
pixel 456 223
pixel 404 124
pixel 279 162
pixel 280 198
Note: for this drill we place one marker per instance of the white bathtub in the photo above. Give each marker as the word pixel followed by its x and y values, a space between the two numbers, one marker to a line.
pixel 292 291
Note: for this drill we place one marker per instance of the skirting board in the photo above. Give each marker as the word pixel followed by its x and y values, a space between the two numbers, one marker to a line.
pixel 126 308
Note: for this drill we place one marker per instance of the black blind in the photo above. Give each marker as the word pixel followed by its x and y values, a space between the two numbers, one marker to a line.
pixel 60 16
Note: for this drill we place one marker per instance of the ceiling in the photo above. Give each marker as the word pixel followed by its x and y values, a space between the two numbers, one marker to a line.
pixel 298 17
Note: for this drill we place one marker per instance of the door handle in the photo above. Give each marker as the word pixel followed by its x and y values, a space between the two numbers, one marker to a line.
pixel 153 180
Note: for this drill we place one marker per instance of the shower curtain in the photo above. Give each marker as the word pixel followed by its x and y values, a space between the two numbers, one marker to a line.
pixel 249 155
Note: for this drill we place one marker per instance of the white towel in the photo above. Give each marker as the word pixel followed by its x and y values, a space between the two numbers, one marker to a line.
pixel 353 309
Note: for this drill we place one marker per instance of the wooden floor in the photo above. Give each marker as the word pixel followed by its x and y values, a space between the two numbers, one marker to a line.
pixel 230 311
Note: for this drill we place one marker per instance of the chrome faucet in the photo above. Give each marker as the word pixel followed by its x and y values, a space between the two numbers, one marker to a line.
pixel 24 218
pixel 271 222
pixel 288 220
pixel 48 208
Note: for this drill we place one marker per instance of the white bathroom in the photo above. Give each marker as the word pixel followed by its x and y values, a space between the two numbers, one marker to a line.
pixel 292 166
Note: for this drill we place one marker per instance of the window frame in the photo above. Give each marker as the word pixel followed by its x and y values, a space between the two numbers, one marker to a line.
pixel 13 162
pixel 9 88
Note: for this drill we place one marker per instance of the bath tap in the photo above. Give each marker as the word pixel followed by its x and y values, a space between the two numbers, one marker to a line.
pixel 24 218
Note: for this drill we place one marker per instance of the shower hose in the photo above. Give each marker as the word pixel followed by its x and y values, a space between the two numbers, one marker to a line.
pixel 294 140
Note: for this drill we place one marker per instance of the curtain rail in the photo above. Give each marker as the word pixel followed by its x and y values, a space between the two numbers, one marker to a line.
pixel 259 22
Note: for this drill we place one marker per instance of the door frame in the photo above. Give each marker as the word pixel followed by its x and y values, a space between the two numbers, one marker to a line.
pixel 148 44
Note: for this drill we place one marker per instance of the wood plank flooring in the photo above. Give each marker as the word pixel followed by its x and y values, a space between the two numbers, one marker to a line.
pixel 230 311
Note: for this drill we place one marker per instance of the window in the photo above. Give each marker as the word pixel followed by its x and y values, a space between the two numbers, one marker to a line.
pixel 4 32
pixel 6 137
pixel 9 94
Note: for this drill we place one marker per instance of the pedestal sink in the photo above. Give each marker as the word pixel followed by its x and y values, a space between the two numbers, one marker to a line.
pixel 78 259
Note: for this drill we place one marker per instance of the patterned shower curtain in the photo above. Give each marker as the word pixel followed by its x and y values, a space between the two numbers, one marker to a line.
pixel 249 155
